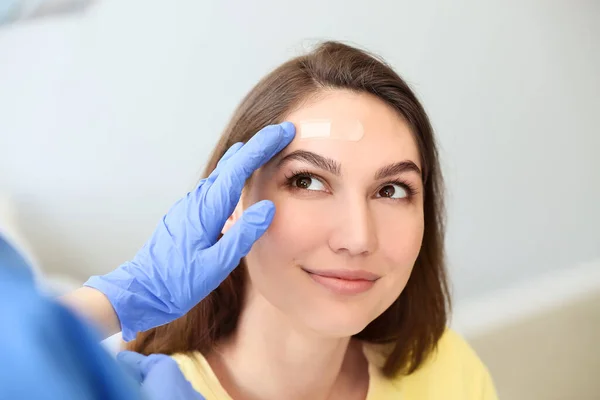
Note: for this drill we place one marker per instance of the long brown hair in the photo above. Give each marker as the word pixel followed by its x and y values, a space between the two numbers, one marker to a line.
pixel 414 323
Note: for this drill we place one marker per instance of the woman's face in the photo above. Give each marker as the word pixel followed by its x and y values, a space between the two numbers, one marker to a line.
pixel 348 224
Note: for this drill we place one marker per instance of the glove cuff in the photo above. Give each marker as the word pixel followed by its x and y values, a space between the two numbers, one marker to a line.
pixel 120 301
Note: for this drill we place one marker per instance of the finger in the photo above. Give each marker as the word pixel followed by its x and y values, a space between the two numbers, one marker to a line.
pixel 148 363
pixel 131 362
pixel 139 364
pixel 224 193
pixel 230 152
pixel 226 254
pixel 194 199
pixel 165 381
pixel 260 149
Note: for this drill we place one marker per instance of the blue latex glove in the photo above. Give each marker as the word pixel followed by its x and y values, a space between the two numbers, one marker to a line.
pixel 46 353
pixel 183 261
pixel 159 376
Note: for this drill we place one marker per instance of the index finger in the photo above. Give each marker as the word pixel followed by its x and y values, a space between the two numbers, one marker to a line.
pixel 224 193
pixel 259 150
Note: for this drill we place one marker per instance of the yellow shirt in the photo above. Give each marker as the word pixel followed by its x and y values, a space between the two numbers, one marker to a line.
pixel 453 372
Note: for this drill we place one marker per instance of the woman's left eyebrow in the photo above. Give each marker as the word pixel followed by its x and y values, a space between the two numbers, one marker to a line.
pixel 397 169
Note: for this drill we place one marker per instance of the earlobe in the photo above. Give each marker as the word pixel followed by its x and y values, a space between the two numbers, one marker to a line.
pixel 237 213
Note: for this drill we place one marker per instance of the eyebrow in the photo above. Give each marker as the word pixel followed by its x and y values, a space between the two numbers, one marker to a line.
pixel 397 169
pixel 334 168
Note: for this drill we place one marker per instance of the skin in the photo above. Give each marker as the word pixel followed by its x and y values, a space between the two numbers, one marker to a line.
pixel 294 335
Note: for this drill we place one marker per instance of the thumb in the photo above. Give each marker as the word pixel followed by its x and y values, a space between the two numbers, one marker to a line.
pixel 138 364
pixel 132 363
pixel 225 255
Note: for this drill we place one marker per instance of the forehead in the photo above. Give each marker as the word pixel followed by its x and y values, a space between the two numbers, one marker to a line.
pixel 386 137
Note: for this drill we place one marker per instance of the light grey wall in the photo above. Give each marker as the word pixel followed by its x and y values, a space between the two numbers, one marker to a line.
pixel 106 120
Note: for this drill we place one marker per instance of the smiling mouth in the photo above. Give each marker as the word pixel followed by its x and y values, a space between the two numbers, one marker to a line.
pixel 343 282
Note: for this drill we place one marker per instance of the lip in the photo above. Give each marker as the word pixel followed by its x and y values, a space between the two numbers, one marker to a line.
pixel 346 274
pixel 344 282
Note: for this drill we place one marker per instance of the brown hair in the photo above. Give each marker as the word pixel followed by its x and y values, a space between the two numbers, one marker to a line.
pixel 414 323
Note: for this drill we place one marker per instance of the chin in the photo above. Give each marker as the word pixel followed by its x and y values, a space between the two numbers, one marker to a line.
pixel 344 323
pixel 326 310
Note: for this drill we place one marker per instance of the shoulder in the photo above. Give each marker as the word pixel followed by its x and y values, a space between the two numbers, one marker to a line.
pixel 453 350
pixel 452 371
pixel 198 372
pixel 193 366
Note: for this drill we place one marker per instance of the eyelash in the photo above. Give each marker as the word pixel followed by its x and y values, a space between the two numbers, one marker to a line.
pixel 290 179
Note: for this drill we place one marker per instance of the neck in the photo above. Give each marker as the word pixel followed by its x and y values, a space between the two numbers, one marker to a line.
pixel 271 358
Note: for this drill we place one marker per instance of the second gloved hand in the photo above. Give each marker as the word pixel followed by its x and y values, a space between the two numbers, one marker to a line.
pixel 159 376
pixel 183 261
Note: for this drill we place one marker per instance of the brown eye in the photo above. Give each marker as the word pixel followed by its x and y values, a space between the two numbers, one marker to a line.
pixel 306 182
pixel 303 182
pixel 387 191
pixel 393 192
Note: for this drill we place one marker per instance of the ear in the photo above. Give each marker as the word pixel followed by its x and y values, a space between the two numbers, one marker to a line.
pixel 237 214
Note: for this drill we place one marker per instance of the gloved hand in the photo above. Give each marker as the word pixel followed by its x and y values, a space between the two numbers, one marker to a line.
pixel 159 376
pixel 47 353
pixel 183 262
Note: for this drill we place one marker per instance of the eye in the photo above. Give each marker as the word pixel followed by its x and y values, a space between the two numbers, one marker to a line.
pixel 308 183
pixel 393 191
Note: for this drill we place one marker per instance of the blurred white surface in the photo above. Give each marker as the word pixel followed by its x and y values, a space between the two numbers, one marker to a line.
pixel 553 355
pixel 521 302
pixel 11 233
pixel 113 344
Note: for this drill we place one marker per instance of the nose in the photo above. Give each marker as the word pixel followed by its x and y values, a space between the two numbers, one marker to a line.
pixel 354 232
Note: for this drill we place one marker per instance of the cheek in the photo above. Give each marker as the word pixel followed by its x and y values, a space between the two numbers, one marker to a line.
pixel 400 234
pixel 298 228
pixel 297 220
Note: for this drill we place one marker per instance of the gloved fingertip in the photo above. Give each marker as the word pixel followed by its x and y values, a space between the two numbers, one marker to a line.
pixel 131 362
pixel 130 357
pixel 289 131
pixel 149 362
pixel 260 214
pixel 230 152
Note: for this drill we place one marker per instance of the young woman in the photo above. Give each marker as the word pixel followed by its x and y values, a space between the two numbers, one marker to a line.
pixel 345 295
